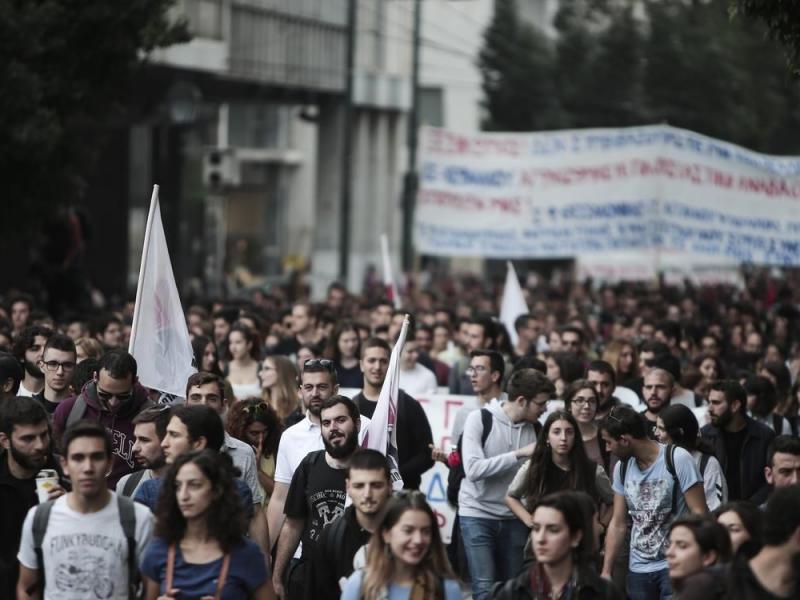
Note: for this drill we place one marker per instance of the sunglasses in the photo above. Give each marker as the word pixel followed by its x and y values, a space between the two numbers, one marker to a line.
pixel 106 396
pixel 255 409
pixel 318 362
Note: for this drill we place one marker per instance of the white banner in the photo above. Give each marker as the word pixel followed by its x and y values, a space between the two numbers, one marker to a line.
pixel 648 192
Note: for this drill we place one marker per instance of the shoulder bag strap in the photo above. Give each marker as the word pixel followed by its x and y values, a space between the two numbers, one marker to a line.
pixel 223 575
pixel 170 568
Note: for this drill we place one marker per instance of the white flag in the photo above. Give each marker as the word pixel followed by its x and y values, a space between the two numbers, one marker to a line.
pixel 381 432
pixel 513 304
pixel 388 280
pixel 159 336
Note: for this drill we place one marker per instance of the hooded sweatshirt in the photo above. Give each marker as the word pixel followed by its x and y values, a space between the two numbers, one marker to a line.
pixel 119 425
pixel 490 468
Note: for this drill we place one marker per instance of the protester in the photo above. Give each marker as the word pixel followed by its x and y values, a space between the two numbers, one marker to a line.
pixel 560 536
pixel 622 355
pixel 58 366
pixel 343 543
pixel 28 349
pixel 696 542
pixel 254 422
pixel 415 378
pixel 345 352
pixel 783 462
pixel 678 425
pixel 279 388
pixel 26 449
pixel 242 353
pixel 406 557
pixel 200 549
pixel 744 523
pixel 72 559
pixel 206 357
pixel 581 401
pixel 86 348
pixel 11 375
pixel 149 429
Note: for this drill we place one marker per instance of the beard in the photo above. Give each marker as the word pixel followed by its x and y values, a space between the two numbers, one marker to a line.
pixel 32 370
pixel 722 420
pixel 344 450
pixel 28 462
pixel 655 409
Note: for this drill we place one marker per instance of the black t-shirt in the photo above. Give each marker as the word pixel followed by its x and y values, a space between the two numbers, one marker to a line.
pixel 316 494
pixel 733 469
pixel 50 407
pixel 287 346
pixel 349 378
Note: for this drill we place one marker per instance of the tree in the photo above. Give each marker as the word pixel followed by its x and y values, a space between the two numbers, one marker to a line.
pixel 782 18
pixel 65 70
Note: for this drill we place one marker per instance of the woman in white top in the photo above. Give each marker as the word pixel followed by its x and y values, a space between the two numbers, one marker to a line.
pixel 677 425
pixel 243 352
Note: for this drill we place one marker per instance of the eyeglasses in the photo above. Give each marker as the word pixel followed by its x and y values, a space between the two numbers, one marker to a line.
pixel 53 365
pixel 318 362
pixel 255 409
pixel 476 370
pixel 106 396
pixel 578 401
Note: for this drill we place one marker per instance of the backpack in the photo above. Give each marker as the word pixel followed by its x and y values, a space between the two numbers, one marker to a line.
pixel 131 483
pixel 457 474
pixel 127 518
pixel 669 456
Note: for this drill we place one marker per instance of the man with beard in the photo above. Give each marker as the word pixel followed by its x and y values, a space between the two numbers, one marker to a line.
pixel 317 384
pixel 149 429
pixel 740 443
pixel 25 438
pixel 11 375
pixel 653 484
pixel 342 546
pixel 317 494
pixel 58 366
pixel 657 392
pixel 28 350
pixel 414 436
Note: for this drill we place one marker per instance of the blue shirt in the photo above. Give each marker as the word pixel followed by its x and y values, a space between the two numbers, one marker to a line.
pixel 352 589
pixel 648 496
pixel 246 573
pixel 148 492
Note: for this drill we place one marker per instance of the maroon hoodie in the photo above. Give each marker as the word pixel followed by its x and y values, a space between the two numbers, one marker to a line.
pixel 119 425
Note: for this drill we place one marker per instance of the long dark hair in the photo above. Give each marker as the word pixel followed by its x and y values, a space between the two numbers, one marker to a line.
pixel 225 519
pixel 577 517
pixel 582 470
pixel 332 349
pixel 245 412
pixel 199 344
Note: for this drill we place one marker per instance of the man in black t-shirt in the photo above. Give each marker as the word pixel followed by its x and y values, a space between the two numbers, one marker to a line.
pixel 317 493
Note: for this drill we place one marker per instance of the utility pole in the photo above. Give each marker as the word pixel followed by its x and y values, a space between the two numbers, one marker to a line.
pixel 347 144
pixel 411 178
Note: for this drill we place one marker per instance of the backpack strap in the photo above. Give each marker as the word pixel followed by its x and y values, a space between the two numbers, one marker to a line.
pixel 131 483
pixel 76 412
pixel 486 421
pixel 334 540
pixel 669 455
pixel 127 518
pixel 777 423
pixel 704 463
pixel 40 518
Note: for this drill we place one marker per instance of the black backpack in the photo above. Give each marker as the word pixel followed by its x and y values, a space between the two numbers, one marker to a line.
pixel 457 474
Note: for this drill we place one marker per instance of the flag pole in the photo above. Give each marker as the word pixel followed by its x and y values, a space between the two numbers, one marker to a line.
pixel 140 282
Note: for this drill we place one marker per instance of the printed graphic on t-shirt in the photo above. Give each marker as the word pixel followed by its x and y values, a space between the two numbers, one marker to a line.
pixel 650 507
pixel 87 565
pixel 326 506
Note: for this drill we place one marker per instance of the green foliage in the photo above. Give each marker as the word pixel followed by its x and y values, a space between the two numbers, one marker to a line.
pixel 782 18
pixel 617 63
pixel 65 71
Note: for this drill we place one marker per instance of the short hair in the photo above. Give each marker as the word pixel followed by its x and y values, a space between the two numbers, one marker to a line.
pixel 488 326
pixel 21 297
pixel 119 363
pixel 201 421
pixel 624 420
pixel 656 370
pixel 20 410
pixel 666 362
pixel 670 329
pixel 782 515
pixel 572 329
pixel 91 347
pixel 528 383
pixel 99 325
pixel 90 429
pixel 375 342
pixel 26 338
pixel 569 365
pixel 84 371
pixel 709 535
pixel 530 362
pixel 158 416
pixel 202 378
pixel 522 320
pixel 227 313
pixel 782 375
pixel 10 369
pixel 575 387
pixel 59 341
pixel 732 390
pixel 604 367
pixel 352 408
pixel 765 393
pixel 318 365
pixel 785 444
pixel 655 347
pixel 367 459
pixel 496 362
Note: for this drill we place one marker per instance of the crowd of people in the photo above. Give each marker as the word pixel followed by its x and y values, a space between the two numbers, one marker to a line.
pixel 629 441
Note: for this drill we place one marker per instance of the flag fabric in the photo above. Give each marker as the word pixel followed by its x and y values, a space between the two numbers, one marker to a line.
pixel 159 336
pixel 388 279
pixel 513 303
pixel 381 433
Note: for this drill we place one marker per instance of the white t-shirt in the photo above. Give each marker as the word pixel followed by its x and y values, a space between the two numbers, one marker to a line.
pixel 419 380
pixel 23 391
pixel 85 555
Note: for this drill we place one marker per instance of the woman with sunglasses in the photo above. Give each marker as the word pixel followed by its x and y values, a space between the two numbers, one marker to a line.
pixel 559 462
pixel 200 550
pixel 254 422
pixel 279 388
pixel 563 539
pixel 581 400
pixel 242 351
pixel 406 559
